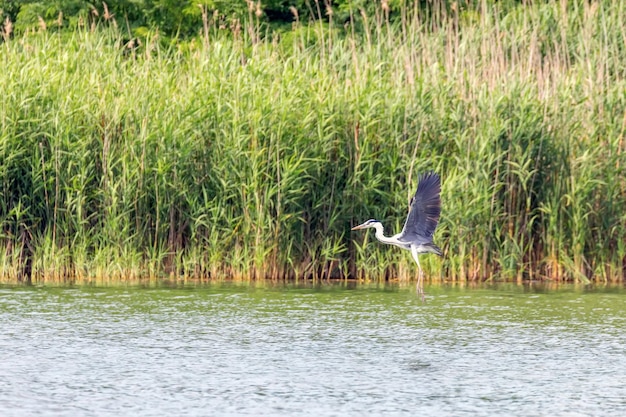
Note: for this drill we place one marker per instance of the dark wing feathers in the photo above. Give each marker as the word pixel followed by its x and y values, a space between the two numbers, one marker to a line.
pixel 424 209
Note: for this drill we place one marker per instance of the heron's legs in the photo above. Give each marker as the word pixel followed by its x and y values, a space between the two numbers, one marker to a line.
pixel 420 279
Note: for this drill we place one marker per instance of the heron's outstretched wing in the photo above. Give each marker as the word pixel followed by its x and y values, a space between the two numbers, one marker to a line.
pixel 424 209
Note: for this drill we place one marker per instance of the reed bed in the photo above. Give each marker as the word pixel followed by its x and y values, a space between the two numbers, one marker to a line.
pixel 247 154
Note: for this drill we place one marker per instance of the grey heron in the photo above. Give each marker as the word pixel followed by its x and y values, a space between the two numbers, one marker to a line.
pixel 420 224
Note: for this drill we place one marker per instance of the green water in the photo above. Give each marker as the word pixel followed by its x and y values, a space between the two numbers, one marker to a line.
pixel 285 350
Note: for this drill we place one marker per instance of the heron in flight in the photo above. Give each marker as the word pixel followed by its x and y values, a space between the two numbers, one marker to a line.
pixel 420 224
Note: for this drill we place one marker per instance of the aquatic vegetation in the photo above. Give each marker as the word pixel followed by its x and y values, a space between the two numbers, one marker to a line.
pixel 248 154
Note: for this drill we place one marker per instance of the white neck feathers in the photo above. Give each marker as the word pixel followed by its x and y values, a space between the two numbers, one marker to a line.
pixel 381 237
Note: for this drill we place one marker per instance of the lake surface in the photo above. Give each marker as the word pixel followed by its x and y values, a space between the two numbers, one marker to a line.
pixel 328 350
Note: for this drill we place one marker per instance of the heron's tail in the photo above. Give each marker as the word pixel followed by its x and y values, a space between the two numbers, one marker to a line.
pixel 432 248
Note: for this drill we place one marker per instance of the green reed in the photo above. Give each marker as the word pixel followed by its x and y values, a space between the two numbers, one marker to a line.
pixel 247 154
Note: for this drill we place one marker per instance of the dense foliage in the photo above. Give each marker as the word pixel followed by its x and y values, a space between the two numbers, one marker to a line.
pixel 239 154
pixel 170 16
pixel 175 18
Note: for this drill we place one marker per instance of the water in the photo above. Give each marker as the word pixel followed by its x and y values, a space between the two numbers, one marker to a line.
pixel 333 350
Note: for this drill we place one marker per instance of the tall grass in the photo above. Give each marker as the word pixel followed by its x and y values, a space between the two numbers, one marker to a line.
pixel 247 154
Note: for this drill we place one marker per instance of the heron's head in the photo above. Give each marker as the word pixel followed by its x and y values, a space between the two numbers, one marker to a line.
pixel 369 223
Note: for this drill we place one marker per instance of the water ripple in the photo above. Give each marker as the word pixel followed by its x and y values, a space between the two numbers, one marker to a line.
pixel 216 351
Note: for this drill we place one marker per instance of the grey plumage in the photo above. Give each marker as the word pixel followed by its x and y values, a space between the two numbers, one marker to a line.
pixel 420 224
pixel 424 212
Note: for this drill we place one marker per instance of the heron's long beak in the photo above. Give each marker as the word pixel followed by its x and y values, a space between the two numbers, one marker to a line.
pixel 357 227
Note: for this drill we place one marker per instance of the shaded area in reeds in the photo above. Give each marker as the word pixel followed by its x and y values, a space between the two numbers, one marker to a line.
pixel 247 154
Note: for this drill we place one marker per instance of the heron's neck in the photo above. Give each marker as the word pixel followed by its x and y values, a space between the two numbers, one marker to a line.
pixel 380 234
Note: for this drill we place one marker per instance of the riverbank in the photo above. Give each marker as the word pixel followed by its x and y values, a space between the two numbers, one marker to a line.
pixel 247 155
